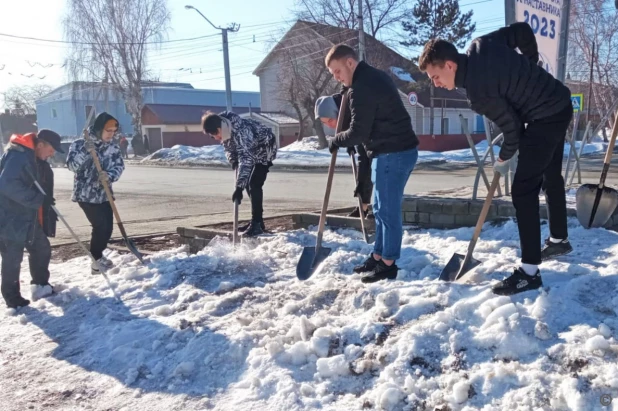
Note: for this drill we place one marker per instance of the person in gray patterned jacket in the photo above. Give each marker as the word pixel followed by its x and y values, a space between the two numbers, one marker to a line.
pixel 88 189
pixel 250 148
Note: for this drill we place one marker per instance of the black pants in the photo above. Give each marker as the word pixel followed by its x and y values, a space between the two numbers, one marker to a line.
pixel 102 219
pixel 256 192
pixel 39 255
pixel 540 165
pixel 364 175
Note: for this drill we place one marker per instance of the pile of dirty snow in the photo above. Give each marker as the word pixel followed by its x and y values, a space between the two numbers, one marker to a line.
pixel 234 329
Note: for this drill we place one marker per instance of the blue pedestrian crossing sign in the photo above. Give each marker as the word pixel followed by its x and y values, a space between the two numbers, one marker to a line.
pixel 578 102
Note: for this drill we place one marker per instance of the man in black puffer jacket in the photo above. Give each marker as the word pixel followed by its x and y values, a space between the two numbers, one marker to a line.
pixel 533 111
pixel 380 122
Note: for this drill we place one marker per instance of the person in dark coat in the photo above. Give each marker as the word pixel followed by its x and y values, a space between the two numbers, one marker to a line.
pixel 26 216
pixel 327 110
pixel 380 122
pixel 146 144
pixel 88 190
pixel 124 146
pixel 533 110
pixel 250 148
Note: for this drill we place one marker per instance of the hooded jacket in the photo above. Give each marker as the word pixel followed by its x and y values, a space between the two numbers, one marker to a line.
pixel 87 188
pixel 21 203
pixel 250 143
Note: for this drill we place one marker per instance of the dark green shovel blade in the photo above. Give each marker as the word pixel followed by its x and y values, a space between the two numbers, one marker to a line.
pixel 310 260
pixel 454 266
pixel 133 248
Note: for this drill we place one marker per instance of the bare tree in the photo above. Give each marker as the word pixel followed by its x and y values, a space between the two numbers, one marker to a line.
pixel 110 40
pixel 303 78
pixel 24 97
pixel 595 21
pixel 380 17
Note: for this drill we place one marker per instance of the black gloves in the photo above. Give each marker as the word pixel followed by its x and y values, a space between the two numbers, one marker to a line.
pixel 332 146
pixel 234 165
pixel 237 195
pixel 351 151
pixel 359 189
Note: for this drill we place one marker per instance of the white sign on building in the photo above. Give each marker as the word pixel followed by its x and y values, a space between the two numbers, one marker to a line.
pixel 546 17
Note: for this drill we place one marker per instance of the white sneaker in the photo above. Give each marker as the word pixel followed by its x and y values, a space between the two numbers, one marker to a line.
pixel 101 264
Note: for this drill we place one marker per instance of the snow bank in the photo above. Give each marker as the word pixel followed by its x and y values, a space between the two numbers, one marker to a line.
pixel 234 329
pixel 305 153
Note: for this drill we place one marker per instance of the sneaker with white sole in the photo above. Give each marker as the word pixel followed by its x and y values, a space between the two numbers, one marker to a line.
pixel 101 264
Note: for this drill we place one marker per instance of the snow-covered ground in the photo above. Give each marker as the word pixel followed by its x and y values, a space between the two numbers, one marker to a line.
pixel 305 154
pixel 235 330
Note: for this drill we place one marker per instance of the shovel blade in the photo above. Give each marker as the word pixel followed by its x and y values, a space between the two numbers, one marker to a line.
pixel 133 248
pixel 310 260
pixel 457 265
pixel 584 203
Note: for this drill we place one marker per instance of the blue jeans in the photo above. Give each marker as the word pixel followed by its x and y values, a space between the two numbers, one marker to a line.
pixel 389 174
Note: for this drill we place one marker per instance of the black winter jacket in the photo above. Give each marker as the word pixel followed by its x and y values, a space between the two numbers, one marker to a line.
pixel 20 200
pixel 379 119
pixel 509 88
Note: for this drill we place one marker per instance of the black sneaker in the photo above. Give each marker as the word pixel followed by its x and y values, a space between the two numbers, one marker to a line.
pixel 551 249
pixel 243 228
pixel 369 264
pixel 17 302
pixel 518 283
pixel 381 272
pixel 255 229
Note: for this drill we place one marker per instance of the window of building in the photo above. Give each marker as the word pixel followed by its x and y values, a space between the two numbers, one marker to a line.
pixel 88 110
pixel 445 124
pixel 54 113
pixel 464 126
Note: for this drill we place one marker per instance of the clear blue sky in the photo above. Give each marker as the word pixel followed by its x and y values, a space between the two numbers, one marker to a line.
pixel 264 19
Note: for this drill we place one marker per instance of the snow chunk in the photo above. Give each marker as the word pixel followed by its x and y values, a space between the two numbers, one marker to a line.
pixel 40 291
pixel 332 367
pixel 390 398
pixel 225 286
pixel 605 330
pixel 184 369
pixel 306 328
pixel 164 310
pixel 460 391
pixel 307 390
pixel 597 343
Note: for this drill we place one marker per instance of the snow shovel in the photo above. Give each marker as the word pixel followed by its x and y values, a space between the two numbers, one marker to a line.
pixel 460 264
pixel 60 216
pixel 595 204
pixel 312 257
pixel 360 200
pixel 129 243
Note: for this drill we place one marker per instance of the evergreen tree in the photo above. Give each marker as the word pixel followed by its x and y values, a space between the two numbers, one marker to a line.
pixel 438 18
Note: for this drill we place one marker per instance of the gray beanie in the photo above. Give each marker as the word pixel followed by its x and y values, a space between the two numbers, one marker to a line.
pixel 326 107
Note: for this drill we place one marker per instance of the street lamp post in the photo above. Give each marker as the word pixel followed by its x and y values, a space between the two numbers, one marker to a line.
pixel 226 57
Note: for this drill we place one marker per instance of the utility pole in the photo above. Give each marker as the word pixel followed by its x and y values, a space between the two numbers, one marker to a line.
pixel 1 137
pixel 361 32
pixel 591 79
pixel 226 59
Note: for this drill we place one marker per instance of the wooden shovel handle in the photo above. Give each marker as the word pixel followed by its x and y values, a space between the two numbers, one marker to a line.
pixel 609 152
pixel 483 215
pixel 331 171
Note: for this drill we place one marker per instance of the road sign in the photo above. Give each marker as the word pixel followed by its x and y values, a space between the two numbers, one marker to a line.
pixel 578 102
pixel 412 98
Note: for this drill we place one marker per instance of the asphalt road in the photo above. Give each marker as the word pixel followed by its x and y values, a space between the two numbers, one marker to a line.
pixel 156 200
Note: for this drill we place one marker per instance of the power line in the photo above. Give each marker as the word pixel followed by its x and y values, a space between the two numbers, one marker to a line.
pixel 110 43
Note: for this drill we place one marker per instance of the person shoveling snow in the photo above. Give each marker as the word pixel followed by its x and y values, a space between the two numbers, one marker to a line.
pixel 26 215
pixel 534 113
pixel 251 149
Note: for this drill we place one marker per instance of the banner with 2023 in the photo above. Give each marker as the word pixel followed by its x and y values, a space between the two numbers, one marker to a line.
pixel 545 18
